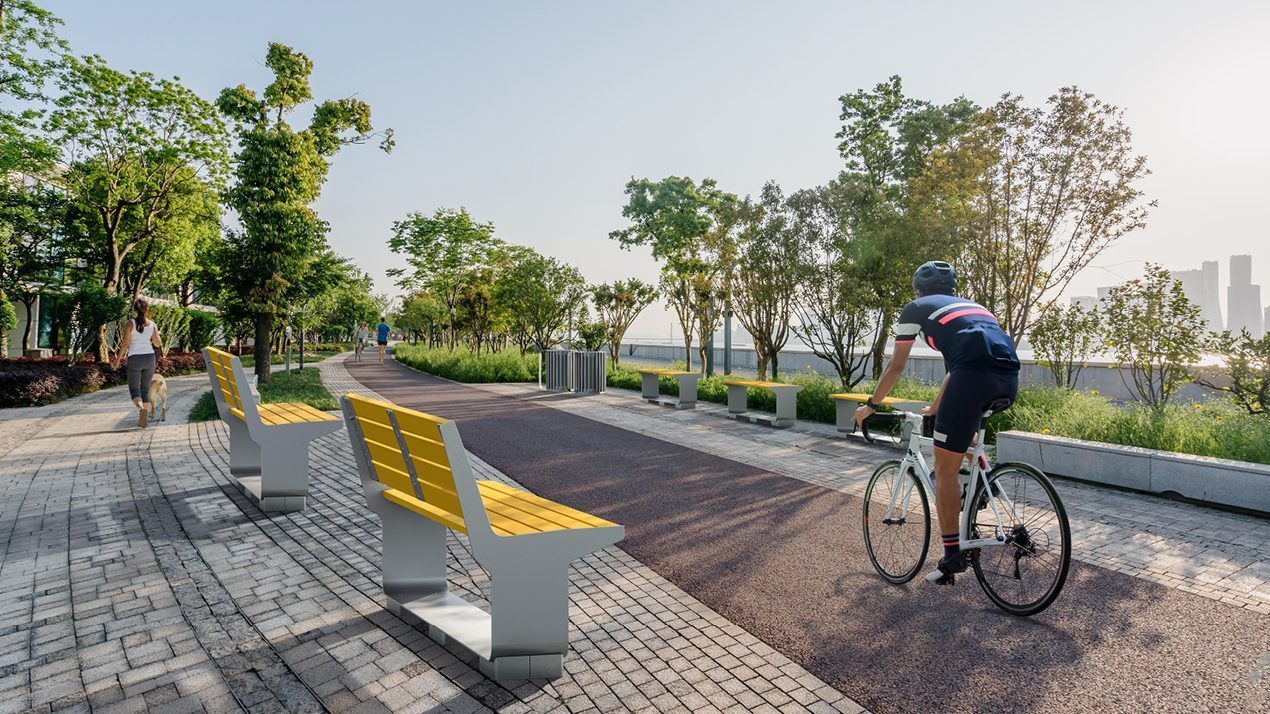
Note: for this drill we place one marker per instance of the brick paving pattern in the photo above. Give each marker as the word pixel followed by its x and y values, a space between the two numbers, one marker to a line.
pixel 1216 554
pixel 136 576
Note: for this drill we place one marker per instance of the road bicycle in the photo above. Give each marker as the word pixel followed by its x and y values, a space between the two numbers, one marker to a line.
pixel 358 349
pixel 1013 524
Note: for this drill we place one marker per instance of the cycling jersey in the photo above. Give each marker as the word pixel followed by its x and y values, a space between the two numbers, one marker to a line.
pixel 968 336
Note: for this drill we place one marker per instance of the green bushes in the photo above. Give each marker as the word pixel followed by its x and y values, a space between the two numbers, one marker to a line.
pixel 294 386
pixel 463 365
pixel 1217 427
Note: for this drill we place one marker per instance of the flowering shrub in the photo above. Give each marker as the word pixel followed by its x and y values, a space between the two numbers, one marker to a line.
pixel 32 381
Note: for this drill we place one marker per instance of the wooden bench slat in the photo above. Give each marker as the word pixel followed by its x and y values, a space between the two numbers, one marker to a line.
pixel 425 509
pixel 530 499
pixel 755 383
pixel 524 511
pixel 862 398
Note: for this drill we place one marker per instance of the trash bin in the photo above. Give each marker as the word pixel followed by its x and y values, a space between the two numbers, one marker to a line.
pixel 589 372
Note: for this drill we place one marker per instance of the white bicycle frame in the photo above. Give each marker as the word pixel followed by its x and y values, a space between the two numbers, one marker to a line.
pixel 913 458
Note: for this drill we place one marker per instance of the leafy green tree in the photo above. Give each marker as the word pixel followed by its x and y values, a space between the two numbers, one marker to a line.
pixel 539 295
pixel 134 144
pixel 279 174
pixel 167 257
pixel 32 252
pixel 763 279
pixel 30 55
pixel 84 312
pixel 1063 339
pixel 617 305
pixel 1155 332
pixel 1040 192
pixel 422 315
pixel 441 250
pixel 837 311
pixel 885 140
pixel 1247 369
pixel 679 220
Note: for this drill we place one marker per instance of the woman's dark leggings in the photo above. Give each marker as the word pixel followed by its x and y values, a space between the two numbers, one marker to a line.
pixel 140 372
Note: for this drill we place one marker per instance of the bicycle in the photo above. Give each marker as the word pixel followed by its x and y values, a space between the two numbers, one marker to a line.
pixel 1016 532
pixel 357 351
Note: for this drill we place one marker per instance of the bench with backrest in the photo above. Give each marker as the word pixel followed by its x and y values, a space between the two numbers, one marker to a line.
pixel 651 392
pixel 786 401
pixel 417 477
pixel 847 403
pixel 268 443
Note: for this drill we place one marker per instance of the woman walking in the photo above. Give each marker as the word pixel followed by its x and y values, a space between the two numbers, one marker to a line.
pixel 142 337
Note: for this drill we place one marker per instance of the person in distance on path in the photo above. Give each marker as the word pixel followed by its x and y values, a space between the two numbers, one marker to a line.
pixel 382 330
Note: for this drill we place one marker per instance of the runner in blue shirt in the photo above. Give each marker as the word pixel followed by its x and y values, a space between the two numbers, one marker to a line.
pixel 982 367
pixel 381 333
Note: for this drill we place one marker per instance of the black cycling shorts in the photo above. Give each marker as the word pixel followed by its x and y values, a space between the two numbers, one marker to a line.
pixel 966 397
pixel 383 343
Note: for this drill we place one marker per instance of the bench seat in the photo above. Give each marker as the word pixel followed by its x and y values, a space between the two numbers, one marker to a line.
pixel 651 392
pixel 847 402
pixel 268 443
pixel 786 401
pixel 417 478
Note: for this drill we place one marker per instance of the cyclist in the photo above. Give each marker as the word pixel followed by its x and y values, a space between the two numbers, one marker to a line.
pixel 363 336
pixel 381 331
pixel 982 367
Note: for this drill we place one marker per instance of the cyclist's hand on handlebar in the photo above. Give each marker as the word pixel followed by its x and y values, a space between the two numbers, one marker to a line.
pixel 863 412
pixel 929 410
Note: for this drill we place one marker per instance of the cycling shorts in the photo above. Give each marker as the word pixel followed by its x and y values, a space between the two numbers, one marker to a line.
pixel 966 397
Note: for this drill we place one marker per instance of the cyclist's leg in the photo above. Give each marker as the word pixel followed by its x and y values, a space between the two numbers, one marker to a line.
pixel 955 426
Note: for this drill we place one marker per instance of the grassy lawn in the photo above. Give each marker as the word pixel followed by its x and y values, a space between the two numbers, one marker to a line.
pixel 463 365
pixel 249 360
pixel 293 386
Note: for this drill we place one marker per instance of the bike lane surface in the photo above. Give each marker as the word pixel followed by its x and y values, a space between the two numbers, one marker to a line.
pixel 785 560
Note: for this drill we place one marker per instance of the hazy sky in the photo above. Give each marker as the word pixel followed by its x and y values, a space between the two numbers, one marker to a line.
pixel 533 115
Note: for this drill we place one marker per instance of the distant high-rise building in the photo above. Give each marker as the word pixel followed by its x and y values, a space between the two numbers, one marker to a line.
pixel 1203 288
pixel 1243 298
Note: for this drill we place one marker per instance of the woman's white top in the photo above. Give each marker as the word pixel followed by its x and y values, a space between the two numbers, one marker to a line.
pixel 139 342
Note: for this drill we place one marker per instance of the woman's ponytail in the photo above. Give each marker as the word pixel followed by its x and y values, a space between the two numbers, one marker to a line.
pixel 141 310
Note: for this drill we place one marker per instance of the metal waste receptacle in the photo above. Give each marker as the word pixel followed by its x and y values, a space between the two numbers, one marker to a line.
pixel 555 370
pixel 589 372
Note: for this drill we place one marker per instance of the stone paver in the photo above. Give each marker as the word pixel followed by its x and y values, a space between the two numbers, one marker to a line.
pixel 135 576
pixel 1217 554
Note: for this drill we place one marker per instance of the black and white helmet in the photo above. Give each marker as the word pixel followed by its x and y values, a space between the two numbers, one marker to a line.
pixel 935 277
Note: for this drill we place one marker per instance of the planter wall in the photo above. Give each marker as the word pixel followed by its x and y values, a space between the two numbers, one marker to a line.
pixel 1201 478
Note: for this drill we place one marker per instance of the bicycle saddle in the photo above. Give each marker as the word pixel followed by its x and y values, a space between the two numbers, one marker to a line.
pixel 996 406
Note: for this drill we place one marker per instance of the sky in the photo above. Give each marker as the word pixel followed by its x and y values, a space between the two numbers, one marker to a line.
pixel 534 115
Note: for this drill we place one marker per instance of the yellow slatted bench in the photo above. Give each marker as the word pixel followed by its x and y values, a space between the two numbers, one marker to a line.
pixel 786 401
pixel 847 403
pixel 268 443
pixel 416 476
pixel 687 387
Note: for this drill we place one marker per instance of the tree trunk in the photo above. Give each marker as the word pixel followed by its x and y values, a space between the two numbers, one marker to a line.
pixel 261 350
pixel 28 303
pixel 879 344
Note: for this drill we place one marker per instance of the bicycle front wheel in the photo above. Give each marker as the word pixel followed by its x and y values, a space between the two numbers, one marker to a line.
pixel 896 522
pixel 1026 572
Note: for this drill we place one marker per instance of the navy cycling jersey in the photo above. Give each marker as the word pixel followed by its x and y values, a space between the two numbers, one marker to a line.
pixel 966 334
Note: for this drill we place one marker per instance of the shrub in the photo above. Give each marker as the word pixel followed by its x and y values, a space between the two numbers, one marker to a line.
pixel 462 365
pixel 203 328
pixel 27 382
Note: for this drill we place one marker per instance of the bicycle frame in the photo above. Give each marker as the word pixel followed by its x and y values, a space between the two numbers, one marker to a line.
pixel 913 458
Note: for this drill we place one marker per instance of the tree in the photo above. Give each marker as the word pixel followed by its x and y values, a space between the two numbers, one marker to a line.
pixel 279 174
pixel 1247 362
pixel 885 140
pixel 1046 190
pixel 441 250
pixel 32 215
pixel 539 295
pixel 1064 338
pixel 30 54
pixel 84 311
pixel 168 255
pixel 763 279
pixel 677 218
pixel 617 305
pixel 837 312
pixel 1155 332
pixel 134 143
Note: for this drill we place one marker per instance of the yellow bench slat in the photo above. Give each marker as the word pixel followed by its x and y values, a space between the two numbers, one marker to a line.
pixel 549 510
pixel 445 518
pixel 862 398
pixel 663 372
pixel 754 383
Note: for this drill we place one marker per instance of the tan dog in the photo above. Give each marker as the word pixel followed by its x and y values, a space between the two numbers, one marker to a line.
pixel 159 392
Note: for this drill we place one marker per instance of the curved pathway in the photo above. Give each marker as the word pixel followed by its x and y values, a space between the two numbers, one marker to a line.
pixel 783 559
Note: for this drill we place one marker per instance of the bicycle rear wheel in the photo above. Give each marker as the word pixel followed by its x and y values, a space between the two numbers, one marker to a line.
pixel 896 537
pixel 1024 574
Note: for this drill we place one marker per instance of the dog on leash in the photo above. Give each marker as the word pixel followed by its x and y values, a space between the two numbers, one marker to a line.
pixel 159 393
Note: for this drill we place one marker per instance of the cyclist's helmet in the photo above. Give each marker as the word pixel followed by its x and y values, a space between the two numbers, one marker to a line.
pixel 934 278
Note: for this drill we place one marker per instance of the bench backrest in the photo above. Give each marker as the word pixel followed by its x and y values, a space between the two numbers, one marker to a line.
pixel 420 455
pixel 231 388
pixel 221 365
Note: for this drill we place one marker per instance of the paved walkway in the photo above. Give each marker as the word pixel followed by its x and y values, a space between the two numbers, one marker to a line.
pixel 134 576
pixel 783 559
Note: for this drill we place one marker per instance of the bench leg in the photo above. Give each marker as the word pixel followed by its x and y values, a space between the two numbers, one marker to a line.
pixel 737 399
pixel 649 387
pixel 786 408
pixel 846 416
pixel 529 611
pixel 284 471
pixel 414 555
pixel 244 454
pixel 688 390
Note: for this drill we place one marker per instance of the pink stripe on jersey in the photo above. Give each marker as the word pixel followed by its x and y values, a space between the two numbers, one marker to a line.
pixel 962 313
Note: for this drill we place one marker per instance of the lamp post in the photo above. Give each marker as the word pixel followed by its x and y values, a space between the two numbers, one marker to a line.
pixel 300 320
pixel 727 340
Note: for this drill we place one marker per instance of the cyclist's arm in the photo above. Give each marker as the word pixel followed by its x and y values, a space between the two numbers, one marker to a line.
pixel 893 370
pixel 934 406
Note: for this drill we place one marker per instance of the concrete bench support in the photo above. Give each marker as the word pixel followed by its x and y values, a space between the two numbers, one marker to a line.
pixel 416 476
pixel 786 402
pixel 268 443
pixel 846 404
pixel 650 388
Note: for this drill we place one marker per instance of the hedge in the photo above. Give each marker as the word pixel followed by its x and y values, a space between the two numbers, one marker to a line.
pixel 463 365
pixel 33 381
